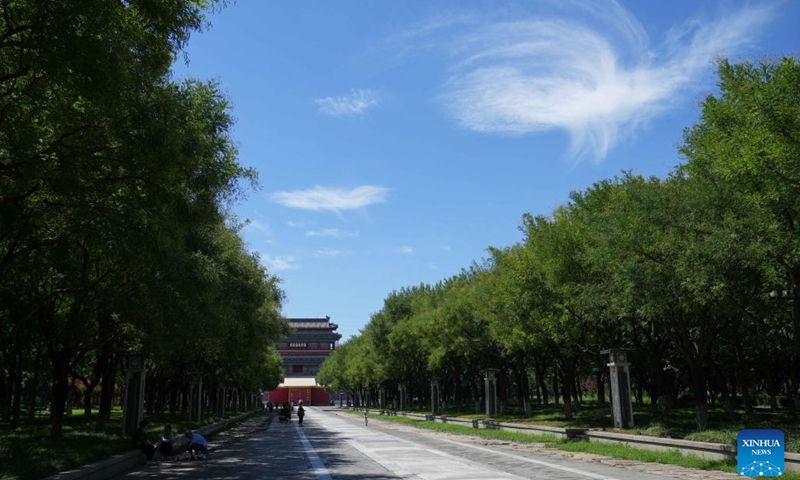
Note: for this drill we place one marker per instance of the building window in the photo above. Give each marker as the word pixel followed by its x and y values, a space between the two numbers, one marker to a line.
pixel 298 345
pixel 297 369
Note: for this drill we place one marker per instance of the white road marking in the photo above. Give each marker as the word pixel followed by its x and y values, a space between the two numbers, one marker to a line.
pixel 319 468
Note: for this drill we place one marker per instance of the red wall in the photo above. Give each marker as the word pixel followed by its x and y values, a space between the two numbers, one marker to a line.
pixel 309 395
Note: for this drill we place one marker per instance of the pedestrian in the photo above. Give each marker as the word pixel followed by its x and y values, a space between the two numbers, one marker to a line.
pixel 301 412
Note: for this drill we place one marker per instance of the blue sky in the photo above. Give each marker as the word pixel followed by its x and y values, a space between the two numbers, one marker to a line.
pixel 396 140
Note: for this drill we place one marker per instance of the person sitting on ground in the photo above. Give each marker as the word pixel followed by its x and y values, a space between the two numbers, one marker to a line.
pixel 141 442
pixel 197 445
pixel 165 446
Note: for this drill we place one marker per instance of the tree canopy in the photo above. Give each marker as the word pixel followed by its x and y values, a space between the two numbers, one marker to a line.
pixel 679 269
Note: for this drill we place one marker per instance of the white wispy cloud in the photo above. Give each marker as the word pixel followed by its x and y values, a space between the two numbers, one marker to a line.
pixel 332 199
pixel 331 232
pixel 356 102
pixel 294 224
pixel 278 263
pixel 587 67
pixel 405 250
pixel 331 253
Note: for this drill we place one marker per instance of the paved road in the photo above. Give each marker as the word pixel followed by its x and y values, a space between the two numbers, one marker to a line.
pixel 331 446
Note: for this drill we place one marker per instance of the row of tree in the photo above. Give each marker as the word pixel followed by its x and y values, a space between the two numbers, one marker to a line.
pixel 116 235
pixel 680 269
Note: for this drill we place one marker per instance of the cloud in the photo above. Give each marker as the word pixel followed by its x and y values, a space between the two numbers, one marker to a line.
pixel 294 224
pixel 331 232
pixel 405 250
pixel 332 199
pixel 356 102
pixel 279 263
pixel 331 253
pixel 586 67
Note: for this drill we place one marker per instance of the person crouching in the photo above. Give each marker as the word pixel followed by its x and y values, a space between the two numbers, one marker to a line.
pixel 197 445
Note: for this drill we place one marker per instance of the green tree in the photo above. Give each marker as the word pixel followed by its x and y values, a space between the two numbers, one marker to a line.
pixel 746 148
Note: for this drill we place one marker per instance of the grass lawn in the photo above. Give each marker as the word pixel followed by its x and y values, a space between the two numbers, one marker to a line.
pixel 27 453
pixel 672 457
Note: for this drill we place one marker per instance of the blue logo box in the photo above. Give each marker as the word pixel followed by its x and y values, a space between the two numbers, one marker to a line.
pixel 759 453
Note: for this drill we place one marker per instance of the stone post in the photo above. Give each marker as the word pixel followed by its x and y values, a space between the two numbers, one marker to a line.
pixel 402 388
pixel 196 396
pixel 435 396
pixel 621 404
pixel 490 387
pixel 133 408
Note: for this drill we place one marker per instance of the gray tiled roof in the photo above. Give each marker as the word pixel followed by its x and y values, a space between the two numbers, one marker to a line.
pixel 312 323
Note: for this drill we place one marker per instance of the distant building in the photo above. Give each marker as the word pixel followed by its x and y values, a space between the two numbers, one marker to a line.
pixel 303 351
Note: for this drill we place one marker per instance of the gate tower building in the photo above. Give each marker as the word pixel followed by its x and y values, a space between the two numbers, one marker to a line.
pixel 312 340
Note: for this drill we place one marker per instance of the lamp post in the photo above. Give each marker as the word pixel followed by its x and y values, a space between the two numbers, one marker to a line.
pixel 490 385
pixel 135 375
pixel 621 404
pixel 196 396
pixel 401 388
pixel 435 396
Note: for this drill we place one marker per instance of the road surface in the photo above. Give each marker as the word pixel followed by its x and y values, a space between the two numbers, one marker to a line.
pixel 339 446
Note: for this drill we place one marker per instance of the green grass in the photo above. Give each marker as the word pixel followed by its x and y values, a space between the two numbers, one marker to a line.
pixel 670 457
pixel 677 423
pixel 27 452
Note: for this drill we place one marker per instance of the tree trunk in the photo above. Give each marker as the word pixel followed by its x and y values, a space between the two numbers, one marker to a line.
pixel 5 396
pixel 541 379
pixel 61 369
pixel 555 386
pixel 107 386
pixel 173 398
pixel 727 402
pixel 795 376
pixel 17 405
pixel 476 395
pixel 34 385
pixel 599 378
pixel 567 383
pixel 525 386
pixel 700 390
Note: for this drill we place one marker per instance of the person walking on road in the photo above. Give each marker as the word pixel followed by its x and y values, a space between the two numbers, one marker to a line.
pixel 301 412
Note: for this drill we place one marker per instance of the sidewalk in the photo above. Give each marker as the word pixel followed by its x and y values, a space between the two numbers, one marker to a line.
pixel 118 465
